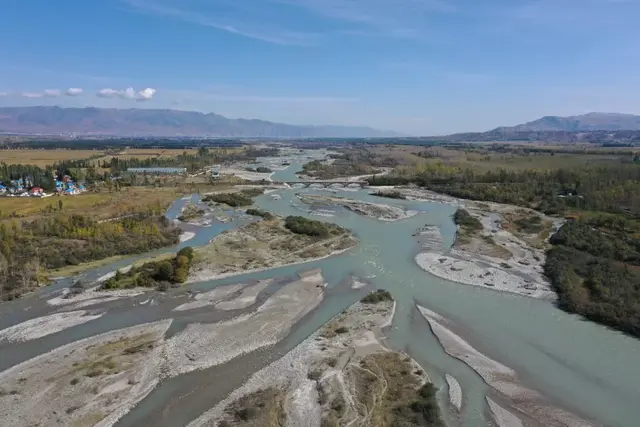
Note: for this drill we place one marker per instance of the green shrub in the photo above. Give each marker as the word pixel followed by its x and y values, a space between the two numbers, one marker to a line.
pixel 377 297
pixel 165 271
pixel 180 275
pixel 309 227
pixel 263 214
pixel 186 251
pixel 465 220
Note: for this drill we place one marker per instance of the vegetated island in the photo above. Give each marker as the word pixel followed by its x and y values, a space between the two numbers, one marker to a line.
pixel 342 375
pixel 347 163
pixel 234 198
pixel 270 243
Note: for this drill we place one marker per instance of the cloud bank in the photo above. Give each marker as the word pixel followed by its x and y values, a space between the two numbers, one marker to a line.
pixel 73 91
pixel 128 93
pixel 48 93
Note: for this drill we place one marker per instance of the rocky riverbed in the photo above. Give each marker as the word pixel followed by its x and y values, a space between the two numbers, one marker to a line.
pixel 343 374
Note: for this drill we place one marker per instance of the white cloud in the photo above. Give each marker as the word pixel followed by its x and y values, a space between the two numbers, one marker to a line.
pixel 4 94
pixel 108 93
pixel 74 91
pixel 128 93
pixel 52 93
pixel 146 94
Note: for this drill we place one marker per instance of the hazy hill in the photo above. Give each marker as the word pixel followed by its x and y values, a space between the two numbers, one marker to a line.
pixel 584 123
pixel 604 128
pixel 146 122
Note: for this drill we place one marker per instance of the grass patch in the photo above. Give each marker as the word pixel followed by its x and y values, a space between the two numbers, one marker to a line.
pixel 43 157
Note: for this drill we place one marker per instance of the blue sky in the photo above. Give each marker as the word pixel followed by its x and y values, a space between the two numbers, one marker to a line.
pixel 415 66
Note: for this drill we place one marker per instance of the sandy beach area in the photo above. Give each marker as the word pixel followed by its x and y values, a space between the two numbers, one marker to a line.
pixel 42 326
pixel 93 296
pixel 457 267
pixel 455 392
pixel 209 298
pixel 186 236
pixel 502 417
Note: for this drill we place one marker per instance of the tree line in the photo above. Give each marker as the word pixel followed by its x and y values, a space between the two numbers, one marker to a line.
pixel 29 248
pixel 608 188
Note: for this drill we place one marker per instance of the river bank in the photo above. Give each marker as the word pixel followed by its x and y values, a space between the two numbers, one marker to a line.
pixel 341 375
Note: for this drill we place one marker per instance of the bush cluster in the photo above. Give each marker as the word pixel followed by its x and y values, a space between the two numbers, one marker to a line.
pixel 155 273
pixel 309 227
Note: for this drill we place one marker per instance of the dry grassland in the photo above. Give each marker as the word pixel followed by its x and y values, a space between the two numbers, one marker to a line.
pixel 42 158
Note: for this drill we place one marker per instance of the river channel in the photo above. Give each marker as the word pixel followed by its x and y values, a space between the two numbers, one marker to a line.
pixel 586 368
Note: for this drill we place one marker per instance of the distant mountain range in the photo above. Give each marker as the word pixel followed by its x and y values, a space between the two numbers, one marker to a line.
pixel 166 123
pixel 109 122
pixel 584 123
pixel 613 128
